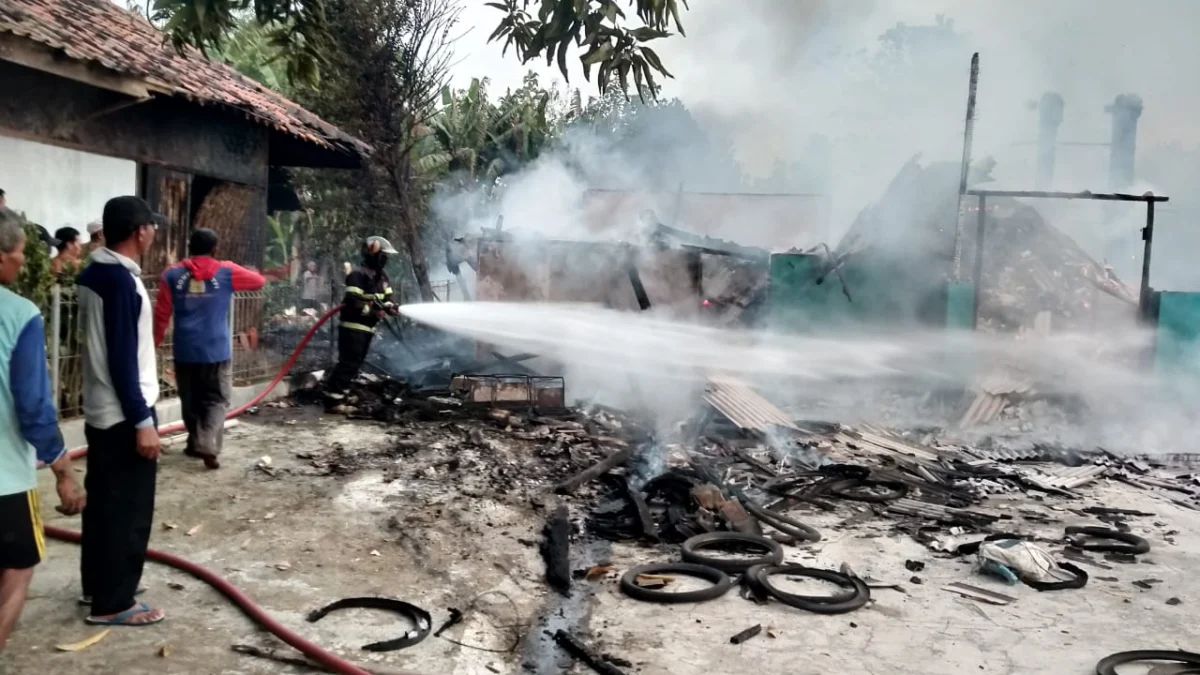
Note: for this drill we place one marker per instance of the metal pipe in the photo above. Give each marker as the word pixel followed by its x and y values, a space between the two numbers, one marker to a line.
pixel 1099 196
pixel 977 278
pixel 56 343
pixel 968 139
pixel 1148 238
pixel 1050 117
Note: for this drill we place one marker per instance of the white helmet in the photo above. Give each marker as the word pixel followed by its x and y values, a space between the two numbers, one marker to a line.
pixel 375 245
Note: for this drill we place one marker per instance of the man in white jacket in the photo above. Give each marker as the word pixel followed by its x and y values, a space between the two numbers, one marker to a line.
pixel 120 388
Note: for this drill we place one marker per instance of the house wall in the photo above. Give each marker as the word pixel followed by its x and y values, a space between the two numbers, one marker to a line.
pixel 56 186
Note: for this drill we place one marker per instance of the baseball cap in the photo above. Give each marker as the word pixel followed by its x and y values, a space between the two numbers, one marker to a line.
pixel 48 239
pixel 95 227
pixel 130 212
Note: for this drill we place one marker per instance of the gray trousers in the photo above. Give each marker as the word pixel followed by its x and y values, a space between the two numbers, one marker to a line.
pixel 204 392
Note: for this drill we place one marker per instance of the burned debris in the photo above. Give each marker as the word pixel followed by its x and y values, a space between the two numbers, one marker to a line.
pixel 740 493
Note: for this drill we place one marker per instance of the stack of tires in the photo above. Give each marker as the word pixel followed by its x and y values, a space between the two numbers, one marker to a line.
pixel 756 572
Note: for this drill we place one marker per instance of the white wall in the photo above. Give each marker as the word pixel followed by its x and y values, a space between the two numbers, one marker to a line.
pixel 56 187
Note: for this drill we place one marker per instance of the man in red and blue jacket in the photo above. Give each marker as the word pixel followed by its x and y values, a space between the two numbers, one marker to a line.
pixel 198 292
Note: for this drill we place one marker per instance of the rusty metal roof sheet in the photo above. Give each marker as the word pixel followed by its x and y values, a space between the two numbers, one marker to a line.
pixel 102 33
pixel 743 406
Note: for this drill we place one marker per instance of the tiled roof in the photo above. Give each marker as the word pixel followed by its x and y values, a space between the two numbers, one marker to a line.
pixel 101 32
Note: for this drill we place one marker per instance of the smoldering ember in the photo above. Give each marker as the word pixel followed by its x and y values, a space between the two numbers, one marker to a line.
pixel 556 383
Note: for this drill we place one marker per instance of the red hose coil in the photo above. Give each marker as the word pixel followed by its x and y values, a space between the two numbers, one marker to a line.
pixel 243 601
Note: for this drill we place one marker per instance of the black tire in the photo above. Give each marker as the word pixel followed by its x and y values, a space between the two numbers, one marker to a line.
pixel 1080 580
pixel 846 489
pixel 855 471
pixel 798 531
pixel 773 552
pixel 721 583
pixel 420 619
pixel 1133 544
pixel 1108 665
pixel 860 594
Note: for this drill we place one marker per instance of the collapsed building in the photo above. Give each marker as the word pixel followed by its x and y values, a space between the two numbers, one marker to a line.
pixel 891 267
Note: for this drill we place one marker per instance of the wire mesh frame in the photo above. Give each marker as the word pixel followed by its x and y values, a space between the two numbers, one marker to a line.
pixel 1149 199
pixel 266 326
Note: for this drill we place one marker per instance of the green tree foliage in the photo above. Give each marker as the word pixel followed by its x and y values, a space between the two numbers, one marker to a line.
pixel 386 66
pixel 595 26
pixel 301 32
pixel 298 29
pixel 37 277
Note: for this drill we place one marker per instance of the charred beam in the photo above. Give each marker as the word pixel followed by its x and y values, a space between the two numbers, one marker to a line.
pixel 593 472
pixel 576 648
pixel 556 550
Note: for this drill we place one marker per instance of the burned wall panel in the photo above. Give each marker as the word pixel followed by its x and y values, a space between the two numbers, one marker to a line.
pixel 169 193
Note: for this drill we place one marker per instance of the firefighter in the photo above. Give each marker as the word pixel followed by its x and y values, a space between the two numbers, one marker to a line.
pixel 368 299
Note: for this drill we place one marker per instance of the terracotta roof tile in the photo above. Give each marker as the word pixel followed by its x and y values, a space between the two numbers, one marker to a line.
pixel 103 33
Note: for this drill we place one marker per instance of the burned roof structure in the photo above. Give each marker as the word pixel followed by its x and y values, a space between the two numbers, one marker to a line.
pixel 99 43
pixel 208 142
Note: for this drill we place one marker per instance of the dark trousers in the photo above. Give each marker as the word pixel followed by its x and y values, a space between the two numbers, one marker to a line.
pixel 118 517
pixel 204 393
pixel 353 346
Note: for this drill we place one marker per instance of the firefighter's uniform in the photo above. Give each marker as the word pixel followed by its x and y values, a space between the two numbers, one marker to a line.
pixel 368 298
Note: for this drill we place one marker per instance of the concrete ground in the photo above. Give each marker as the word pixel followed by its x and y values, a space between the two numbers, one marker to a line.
pixel 316 528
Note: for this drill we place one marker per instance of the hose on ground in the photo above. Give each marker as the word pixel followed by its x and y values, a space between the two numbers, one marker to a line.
pixel 253 611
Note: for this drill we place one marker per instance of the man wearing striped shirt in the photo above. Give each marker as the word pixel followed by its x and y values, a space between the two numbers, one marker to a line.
pixel 28 432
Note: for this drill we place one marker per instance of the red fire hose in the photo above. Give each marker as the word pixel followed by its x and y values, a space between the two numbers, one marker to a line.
pixel 252 610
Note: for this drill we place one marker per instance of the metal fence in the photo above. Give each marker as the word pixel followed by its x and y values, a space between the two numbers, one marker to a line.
pixel 444 291
pixel 266 327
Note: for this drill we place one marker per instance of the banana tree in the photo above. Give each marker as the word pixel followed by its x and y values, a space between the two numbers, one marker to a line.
pixel 284 243
pixel 463 129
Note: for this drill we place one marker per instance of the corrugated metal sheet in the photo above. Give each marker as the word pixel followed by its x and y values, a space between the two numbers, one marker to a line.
pixel 1057 476
pixel 912 507
pixel 743 406
pixel 881 442
pixel 985 408
pixel 996 390
pixel 1008 454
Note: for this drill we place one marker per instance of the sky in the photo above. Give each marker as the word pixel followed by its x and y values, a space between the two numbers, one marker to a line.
pixel 762 63
pixel 771 74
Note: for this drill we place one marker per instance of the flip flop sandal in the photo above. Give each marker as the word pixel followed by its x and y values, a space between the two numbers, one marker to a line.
pixel 123 618
pixel 86 600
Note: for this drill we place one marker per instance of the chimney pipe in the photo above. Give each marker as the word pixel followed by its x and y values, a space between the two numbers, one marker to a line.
pixel 1050 117
pixel 1125 110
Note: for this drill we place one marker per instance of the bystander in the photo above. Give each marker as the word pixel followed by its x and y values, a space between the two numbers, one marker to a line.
pixel 28 432
pixel 120 388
